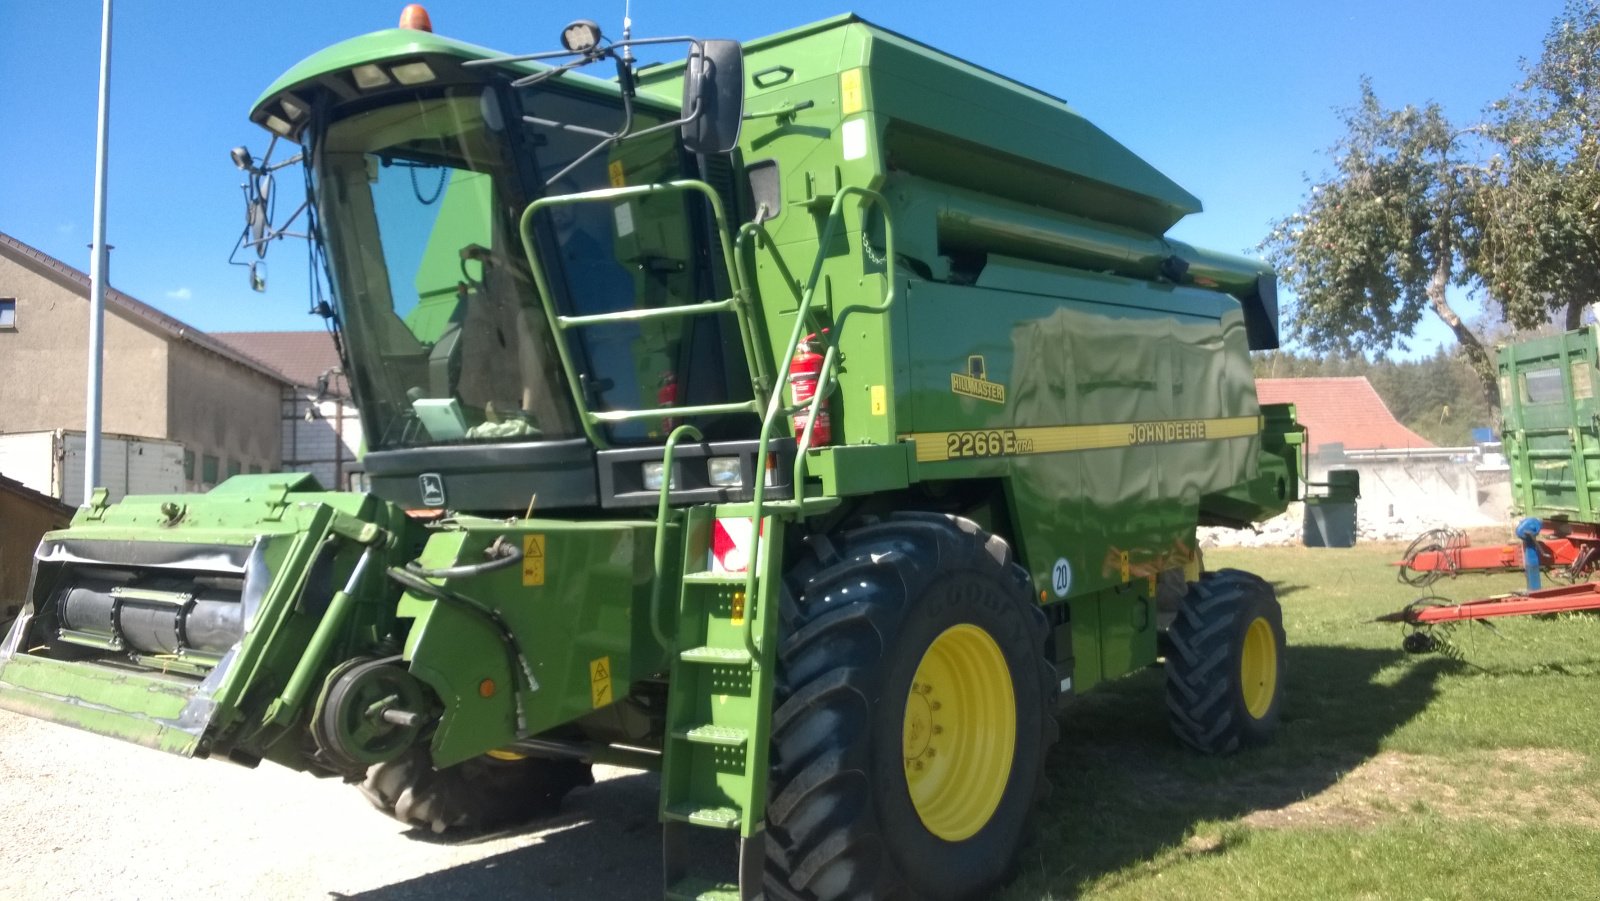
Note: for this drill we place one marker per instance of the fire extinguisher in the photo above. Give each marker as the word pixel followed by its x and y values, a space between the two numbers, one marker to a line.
pixel 667 396
pixel 804 371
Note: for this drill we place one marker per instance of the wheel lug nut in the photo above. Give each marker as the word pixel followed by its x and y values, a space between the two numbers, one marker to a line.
pixel 938 730
pixel 932 752
pixel 934 705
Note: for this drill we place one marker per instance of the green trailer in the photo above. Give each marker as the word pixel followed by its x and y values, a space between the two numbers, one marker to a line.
pixel 804 420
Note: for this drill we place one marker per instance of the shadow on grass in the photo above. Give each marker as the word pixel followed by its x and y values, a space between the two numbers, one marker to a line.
pixel 1125 792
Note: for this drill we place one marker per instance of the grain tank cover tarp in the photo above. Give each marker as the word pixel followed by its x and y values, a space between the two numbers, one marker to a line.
pixel 957 123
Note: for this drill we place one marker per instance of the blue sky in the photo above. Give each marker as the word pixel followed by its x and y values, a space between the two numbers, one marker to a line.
pixel 1233 99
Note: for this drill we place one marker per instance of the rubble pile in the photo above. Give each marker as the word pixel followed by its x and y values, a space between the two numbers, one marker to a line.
pixel 1373 523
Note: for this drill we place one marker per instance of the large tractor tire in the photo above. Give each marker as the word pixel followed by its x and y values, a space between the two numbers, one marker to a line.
pixel 1225 663
pixel 485 792
pixel 915 708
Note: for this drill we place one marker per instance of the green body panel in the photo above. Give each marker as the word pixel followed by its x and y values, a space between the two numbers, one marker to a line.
pixel 1088 485
pixel 585 608
pixel 1550 435
pixel 1038 242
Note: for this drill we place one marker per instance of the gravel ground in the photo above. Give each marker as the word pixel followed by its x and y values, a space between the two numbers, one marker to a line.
pixel 83 816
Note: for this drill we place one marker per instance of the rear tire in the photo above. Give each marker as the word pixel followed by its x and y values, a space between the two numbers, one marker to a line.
pixel 1225 663
pixel 918 622
pixel 482 793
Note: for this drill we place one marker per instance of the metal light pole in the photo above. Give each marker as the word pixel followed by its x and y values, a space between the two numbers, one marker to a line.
pixel 97 268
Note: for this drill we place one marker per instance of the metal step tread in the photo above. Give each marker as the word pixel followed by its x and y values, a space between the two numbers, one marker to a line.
pixel 715 817
pixel 699 888
pixel 715 655
pixel 710 734
pixel 715 578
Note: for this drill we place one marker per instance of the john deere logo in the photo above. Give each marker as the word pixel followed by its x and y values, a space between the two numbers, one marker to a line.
pixel 975 382
pixel 432 486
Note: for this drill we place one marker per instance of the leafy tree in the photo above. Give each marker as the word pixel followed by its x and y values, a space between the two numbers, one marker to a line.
pixel 1538 214
pixel 1376 244
pixel 1407 212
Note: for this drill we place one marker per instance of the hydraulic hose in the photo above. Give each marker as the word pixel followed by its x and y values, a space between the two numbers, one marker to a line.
pixel 501 555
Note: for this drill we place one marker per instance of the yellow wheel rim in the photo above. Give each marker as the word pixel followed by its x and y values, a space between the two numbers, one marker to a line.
pixel 1258 668
pixel 960 732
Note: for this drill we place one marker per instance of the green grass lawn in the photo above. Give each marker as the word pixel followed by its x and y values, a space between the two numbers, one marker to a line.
pixel 1469 774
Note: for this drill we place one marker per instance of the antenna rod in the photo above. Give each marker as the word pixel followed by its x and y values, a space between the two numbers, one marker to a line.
pixel 627 31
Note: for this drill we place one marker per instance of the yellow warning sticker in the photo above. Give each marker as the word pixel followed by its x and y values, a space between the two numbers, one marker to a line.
pixel 1122 564
pixel 533 559
pixel 850 92
pixel 600 681
pixel 880 402
pixel 619 177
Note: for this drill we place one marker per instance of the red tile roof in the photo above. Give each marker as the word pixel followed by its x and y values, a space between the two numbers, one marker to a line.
pixel 1343 410
pixel 301 356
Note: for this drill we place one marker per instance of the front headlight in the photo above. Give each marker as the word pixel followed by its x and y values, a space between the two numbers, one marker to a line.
pixel 652 477
pixel 725 472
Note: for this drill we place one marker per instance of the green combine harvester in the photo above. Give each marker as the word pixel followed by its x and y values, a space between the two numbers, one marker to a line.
pixel 804 420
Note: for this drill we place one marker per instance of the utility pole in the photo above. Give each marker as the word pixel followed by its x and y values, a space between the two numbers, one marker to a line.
pixel 98 264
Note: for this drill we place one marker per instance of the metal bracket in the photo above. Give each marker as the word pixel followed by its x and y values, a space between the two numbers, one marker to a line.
pixel 99 501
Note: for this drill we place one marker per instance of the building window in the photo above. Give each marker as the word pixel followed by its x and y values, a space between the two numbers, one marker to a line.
pixel 188 466
pixel 235 467
pixel 255 469
pixel 208 469
pixel 8 312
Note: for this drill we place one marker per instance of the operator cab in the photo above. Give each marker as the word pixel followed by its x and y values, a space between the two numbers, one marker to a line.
pixel 423 157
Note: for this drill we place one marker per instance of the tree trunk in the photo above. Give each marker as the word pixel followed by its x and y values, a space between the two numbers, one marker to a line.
pixel 1575 313
pixel 1479 356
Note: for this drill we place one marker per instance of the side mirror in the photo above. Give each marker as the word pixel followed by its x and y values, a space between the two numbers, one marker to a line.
pixel 257 212
pixel 713 97
pixel 258 276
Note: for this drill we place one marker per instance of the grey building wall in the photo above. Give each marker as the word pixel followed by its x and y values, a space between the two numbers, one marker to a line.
pixel 44 361
pixel 223 411
pixel 162 380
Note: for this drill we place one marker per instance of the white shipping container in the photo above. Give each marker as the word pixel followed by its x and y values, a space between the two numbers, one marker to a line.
pixel 52 463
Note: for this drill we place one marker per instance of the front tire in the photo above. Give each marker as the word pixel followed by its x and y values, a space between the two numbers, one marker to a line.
pixel 915 711
pixel 486 792
pixel 1225 663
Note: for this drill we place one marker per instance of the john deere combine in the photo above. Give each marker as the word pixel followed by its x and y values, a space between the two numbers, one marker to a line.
pixel 809 462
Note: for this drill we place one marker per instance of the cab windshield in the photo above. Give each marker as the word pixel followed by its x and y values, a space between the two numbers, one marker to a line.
pixel 419 204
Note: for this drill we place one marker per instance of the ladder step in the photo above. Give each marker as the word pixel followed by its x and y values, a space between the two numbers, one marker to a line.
pixel 696 888
pixel 715 817
pixel 735 580
pixel 715 655
pixel 709 734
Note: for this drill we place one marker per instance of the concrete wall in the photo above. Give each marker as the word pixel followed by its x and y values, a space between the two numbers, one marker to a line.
pixel 221 409
pixel 44 360
pixel 1440 490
